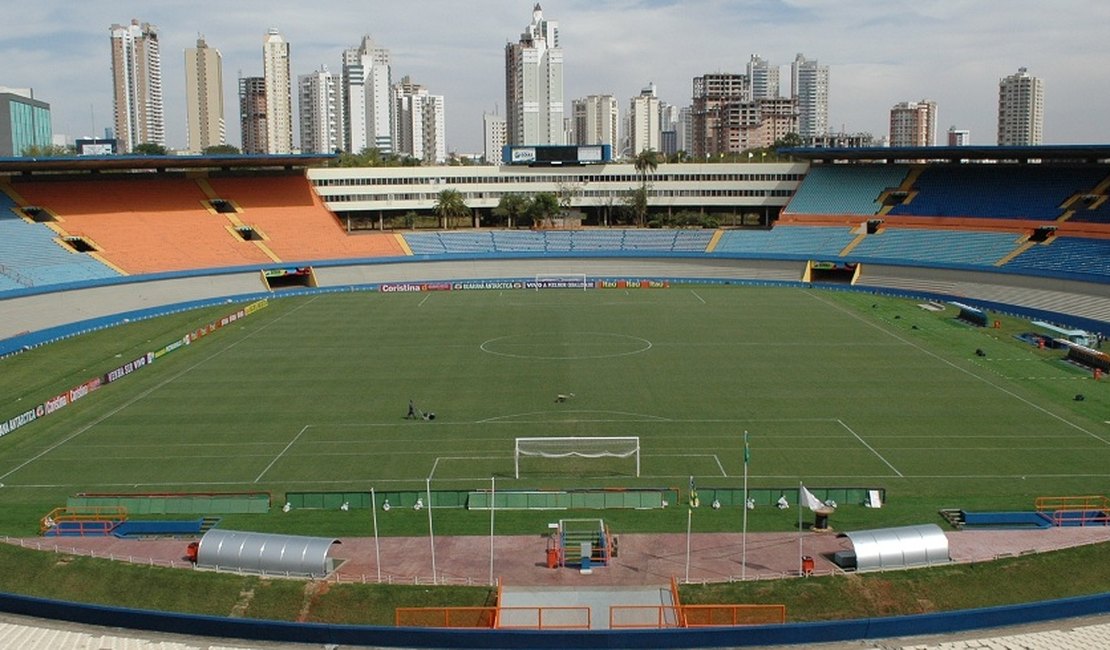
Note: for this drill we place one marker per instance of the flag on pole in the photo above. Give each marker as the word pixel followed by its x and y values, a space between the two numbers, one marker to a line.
pixel 693 494
pixel 810 501
pixel 747 451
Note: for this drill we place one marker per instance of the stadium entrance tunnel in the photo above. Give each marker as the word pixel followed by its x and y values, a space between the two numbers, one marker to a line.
pixel 37 214
pixel 222 206
pixel 832 272
pixel 79 244
pixel 289 278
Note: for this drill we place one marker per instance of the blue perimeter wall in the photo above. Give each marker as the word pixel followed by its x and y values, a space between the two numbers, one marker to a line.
pixel 797 633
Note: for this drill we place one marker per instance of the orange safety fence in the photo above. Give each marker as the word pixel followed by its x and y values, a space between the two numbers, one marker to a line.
pixel 1077 510
pixel 470 617
pixel 677 600
pixel 82 515
pixel 505 618
pixel 717 615
pixel 543 618
pixel 644 616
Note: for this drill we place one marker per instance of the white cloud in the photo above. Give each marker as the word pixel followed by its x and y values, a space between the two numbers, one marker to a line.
pixel 879 53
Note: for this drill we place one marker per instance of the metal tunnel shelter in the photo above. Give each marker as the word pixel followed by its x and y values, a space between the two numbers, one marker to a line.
pixel 896 548
pixel 266 553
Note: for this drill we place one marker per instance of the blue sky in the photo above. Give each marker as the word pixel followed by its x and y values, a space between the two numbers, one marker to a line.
pixel 880 52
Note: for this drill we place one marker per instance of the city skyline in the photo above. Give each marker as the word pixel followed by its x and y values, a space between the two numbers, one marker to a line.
pixel 878 54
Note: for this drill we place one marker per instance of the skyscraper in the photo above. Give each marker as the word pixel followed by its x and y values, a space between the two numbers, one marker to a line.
pixel 24 122
pixel 596 120
pixel 534 84
pixel 764 79
pixel 913 124
pixel 418 123
pixel 252 114
pixel 320 110
pixel 713 93
pixel 367 104
pixel 137 86
pixel 958 137
pixel 1020 109
pixel 643 122
pixel 809 86
pixel 493 137
pixel 279 97
pixel 204 97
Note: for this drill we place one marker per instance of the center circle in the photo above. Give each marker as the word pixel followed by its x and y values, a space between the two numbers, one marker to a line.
pixel 566 345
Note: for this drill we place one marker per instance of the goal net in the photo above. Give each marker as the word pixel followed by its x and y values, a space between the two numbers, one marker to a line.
pixel 556 447
pixel 562 281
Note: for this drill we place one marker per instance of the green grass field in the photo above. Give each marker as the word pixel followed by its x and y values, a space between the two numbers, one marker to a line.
pixel 835 388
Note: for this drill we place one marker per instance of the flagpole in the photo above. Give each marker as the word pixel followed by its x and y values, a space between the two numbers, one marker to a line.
pixel 800 528
pixel 377 547
pixel 431 531
pixel 744 534
pixel 492 495
pixel 689 519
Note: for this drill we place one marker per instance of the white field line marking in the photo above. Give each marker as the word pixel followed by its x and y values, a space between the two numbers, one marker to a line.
pixel 278 457
pixel 432 473
pixel 864 443
pixel 720 466
pixel 986 381
pixel 421 304
pixel 697 296
pixel 146 392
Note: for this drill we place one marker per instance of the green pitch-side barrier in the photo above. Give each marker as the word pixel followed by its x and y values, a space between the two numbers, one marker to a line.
pixel 178 504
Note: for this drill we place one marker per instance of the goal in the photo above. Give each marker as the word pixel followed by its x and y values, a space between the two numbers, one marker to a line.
pixel 562 281
pixel 577 447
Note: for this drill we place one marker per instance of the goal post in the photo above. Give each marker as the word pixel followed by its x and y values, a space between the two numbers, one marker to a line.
pixel 562 281
pixel 577 447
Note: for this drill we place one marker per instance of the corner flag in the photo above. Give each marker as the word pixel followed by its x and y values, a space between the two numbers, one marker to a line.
pixel 747 451
pixel 810 501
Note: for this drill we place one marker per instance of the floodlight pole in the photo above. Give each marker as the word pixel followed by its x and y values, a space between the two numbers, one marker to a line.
pixel 431 531
pixel 689 520
pixel 800 567
pixel 492 500
pixel 377 547
pixel 744 533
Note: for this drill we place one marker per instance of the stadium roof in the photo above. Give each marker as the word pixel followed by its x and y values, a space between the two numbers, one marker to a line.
pixel 131 162
pixel 1083 153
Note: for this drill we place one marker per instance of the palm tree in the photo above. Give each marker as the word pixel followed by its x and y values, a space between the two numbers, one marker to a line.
pixel 645 163
pixel 450 205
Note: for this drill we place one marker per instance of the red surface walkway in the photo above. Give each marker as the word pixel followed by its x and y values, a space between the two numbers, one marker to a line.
pixel 643 559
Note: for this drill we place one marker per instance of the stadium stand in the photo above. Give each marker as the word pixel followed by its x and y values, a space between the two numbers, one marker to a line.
pixel 937 246
pixel 143 225
pixel 845 189
pixel 1066 255
pixel 294 221
pixel 30 256
pixel 997 191
pixel 558 241
pixel 817 241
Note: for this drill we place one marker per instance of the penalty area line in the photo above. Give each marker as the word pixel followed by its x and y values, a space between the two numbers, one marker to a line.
pixel 864 443
pixel 278 457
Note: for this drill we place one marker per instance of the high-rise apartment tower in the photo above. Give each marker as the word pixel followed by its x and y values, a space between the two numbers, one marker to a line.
pixel 137 86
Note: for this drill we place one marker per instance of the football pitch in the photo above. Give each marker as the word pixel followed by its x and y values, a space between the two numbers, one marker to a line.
pixel 836 389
